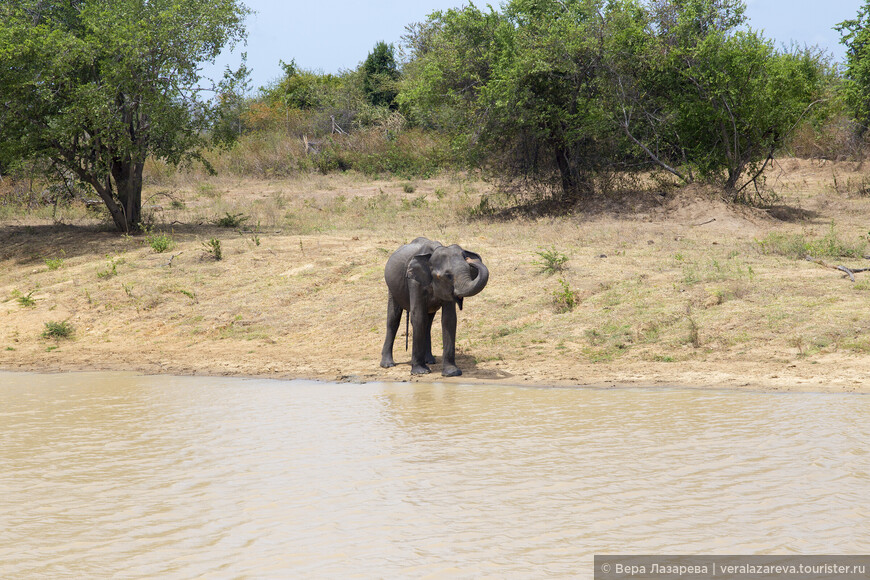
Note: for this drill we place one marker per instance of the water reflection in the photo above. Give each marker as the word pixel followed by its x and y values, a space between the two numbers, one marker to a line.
pixel 125 476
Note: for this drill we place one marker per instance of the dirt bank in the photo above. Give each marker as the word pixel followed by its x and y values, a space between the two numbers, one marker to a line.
pixel 680 289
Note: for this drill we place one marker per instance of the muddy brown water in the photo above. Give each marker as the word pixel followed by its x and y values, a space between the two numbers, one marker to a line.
pixel 125 476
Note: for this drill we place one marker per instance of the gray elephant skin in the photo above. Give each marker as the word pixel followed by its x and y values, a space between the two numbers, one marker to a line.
pixel 423 277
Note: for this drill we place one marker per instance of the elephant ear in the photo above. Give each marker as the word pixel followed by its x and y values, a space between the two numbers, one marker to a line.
pixel 420 270
pixel 471 256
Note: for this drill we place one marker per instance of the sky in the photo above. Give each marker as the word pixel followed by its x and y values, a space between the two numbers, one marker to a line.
pixel 329 36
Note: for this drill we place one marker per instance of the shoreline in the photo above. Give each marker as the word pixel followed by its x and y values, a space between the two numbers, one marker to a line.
pixel 724 381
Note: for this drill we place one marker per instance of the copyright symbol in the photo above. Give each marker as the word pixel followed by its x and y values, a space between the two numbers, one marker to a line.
pixel 605 568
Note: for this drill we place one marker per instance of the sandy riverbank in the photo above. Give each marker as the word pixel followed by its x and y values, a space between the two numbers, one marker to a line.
pixel 678 289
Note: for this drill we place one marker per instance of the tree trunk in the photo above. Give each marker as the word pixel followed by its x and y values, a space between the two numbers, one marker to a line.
pixel 574 184
pixel 128 182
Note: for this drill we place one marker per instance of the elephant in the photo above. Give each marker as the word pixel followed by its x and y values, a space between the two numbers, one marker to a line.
pixel 422 277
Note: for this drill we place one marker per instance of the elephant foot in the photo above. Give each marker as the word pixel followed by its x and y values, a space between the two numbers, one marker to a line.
pixel 451 371
pixel 430 360
pixel 387 364
pixel 420 370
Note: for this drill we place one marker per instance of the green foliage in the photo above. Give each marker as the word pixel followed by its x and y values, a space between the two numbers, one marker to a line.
pixel 190 294
pixel 562 92
pixel 302 89
pixel 316 105
pixel 551 261
pixel 233 103
pixel 855 36
pixel 160 242
pixel 94 89
pixel 24 300
pixel 111 268
pixel 729 99
pixel 62 329
pixel 54 263
pixel 564 298
pixel 797 246
pixel 380 74
pixel 213 248
pixel 231 220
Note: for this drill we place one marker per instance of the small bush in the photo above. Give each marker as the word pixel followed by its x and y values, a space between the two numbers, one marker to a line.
pixel 24 300
pixel 213 247
pixel 551 261
pixel 564 298
pixel 231 220
pixel 161 242
pixel 61 329
pixel 54 263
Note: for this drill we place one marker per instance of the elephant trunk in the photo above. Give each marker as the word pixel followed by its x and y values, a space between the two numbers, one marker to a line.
pixel 471 282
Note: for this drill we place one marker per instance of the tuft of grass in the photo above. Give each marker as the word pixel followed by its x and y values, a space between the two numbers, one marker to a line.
pixel 62 329
pixel 408 187
pixel 231 220
pixel 694 335
pixel 189 293
pixel 564 298
pixel 255 235
pixel 797 246
pixel 213 247
pixel 24 300
pixel 551 261
pixel 54 263
pixel 111 268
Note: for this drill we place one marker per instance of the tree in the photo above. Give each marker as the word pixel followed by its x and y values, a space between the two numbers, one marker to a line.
pixel 233 102
pixel 855 36
pixel 380 74
pixel 698 94
pixel 518 88
pixel 96 87
pixel 564 90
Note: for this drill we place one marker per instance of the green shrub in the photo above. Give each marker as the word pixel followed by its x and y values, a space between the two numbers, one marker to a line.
pixel 24 300
pixel 161 242
pixel 551 261
pixel 54 263
pixel 231 220
pixel 61 329
pixel 564 298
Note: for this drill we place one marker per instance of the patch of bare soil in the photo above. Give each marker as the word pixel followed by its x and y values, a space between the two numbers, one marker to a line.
pixel 684 290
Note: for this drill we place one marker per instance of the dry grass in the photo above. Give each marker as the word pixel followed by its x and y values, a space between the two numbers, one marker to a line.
pixel 679 292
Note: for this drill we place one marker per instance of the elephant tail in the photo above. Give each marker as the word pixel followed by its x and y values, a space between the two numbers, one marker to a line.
pixel 407 322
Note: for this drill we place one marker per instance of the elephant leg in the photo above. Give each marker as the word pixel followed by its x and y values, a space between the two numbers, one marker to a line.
pixel 430 358
pixel 420 321
pixel 394 319
pixel 448 334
